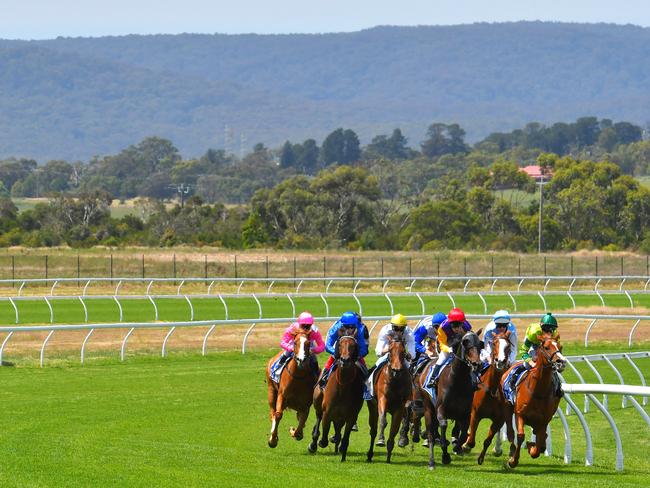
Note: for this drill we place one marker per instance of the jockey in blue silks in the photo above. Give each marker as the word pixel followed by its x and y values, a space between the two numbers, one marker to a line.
pixel 425 331
pixel 349 320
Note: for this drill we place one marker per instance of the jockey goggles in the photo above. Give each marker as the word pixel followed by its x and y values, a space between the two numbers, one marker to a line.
pixel 456 325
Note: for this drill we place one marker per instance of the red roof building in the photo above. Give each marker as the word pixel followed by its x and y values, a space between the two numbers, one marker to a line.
pixel 535 172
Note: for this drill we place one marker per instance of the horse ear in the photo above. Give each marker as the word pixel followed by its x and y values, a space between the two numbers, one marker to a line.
pixel 354 334
pixel 340 332
pixel 507 336
pixel 478 332
pixel 482 345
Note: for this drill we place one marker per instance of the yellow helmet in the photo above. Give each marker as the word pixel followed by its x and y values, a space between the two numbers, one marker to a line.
pixel 398 320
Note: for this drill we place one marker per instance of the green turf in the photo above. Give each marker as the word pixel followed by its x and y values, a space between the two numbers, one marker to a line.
pixel 193 421
pixel 177 309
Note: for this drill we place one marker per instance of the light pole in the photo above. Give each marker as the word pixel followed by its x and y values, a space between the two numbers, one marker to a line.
pixel 541 184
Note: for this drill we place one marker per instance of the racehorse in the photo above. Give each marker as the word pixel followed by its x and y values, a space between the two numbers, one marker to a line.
pixel 488 400
pixel 295 389
pixel 392 388
pixel 454 395
pixel 342 398
pixel 535 399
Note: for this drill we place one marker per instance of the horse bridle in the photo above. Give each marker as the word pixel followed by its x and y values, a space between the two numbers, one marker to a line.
pixel 549 357
pixel 343 362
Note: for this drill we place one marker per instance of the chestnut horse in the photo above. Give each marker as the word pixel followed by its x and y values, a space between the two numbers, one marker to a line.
pixel 295 390
pixel 392 388
pixel 342 398
pixel 488 400
pixel 454 395
pixel 535 399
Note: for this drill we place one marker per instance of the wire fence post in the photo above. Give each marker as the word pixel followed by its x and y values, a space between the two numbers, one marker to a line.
pixel 464 266
pixel 382 267
pixel 46 266
pixel 353 266
pixel 205 266
pixel 235 266
pixel 266 263
pixel 294 272
pixel 544 265
pixel 324 269
pixel 410 266
pixel 143 266
pixel 13 270
pixel 647 265
pixel 492 266
pixel 438 264
pixel 571 265
pixel 621 265
pixel 519 266
pixel 78 269
pixel 596 265
pixel 174 266
pixel 111 266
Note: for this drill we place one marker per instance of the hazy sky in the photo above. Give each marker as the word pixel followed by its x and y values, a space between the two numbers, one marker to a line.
pixel 40 19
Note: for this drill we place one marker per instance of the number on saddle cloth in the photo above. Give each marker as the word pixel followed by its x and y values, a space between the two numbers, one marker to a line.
pixel 278 366
pixel 513 380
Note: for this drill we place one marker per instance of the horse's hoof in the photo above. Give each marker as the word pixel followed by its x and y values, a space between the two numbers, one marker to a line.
pixel 334 439
pixel 480 459
pixel 323 443
pixel 312 447
pixel 446 458
pixel 403 442
pixel 425 443
pixel 295 434
pixel 497 452
pixel 511 464
pixel 380 443
pixel 467 447
pixel 432 467
pixel 273 442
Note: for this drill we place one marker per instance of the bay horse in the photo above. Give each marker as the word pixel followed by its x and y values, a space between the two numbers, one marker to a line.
pixel 454 395
pixel 535 399
pixel 341 400
pixel 295 389
pixel 488 400
pixel 392 387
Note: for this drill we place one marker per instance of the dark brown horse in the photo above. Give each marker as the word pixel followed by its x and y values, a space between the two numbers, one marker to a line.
pixel 454 395
pixel 342 398
pixel 392 387
pixel 488 400
pixel 295 390
pixel 535 399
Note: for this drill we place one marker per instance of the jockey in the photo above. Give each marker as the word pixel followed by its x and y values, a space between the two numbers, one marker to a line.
pixel 499 324
pixel 396 327
pixel 454 327
pixel 349 320
pixel 426 331
pixel 306 323
pixel 528 352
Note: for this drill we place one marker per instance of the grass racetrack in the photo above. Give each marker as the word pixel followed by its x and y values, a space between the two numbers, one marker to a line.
pixel 189 420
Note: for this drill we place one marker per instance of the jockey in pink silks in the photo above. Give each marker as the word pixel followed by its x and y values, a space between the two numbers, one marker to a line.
pixel 305 322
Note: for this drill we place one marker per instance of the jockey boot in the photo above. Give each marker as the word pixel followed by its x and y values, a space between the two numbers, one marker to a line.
pixel 325 373
pixel 433 382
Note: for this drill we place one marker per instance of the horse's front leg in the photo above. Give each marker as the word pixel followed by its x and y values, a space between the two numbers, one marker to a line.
pixel 315 432
pixel 442 422
pixel 381 408
pixel 345 440
pixel 495 428
pixel 297 433
pixel 276 416
pixel 326 429
pixel 372 424
pixel 404 431
pixel 474 420
pixel 521 435
pixel 539 446
pixel 429 423
pixel 395 423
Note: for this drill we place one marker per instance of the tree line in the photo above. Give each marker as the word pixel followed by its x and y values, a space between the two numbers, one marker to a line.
pixel 385 195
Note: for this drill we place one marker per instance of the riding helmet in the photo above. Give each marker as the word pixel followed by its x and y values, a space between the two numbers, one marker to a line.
pixel 548 322
pixel 349 318
pixel 438 319
pixel 305 318
pixel 456 315
pixel 501 317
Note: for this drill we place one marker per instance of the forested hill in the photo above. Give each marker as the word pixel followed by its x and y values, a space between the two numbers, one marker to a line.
pixel 72 98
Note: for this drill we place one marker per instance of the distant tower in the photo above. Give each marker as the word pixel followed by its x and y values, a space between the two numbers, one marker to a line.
pixel 227 138
pixel 242 145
